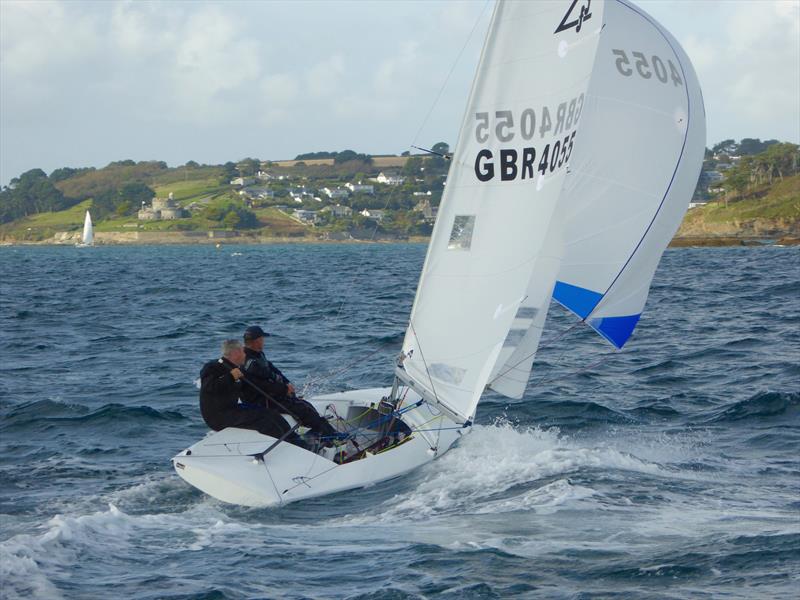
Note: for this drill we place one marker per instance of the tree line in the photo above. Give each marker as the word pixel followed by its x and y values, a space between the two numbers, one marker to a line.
pixel 118 189
pixel 778 161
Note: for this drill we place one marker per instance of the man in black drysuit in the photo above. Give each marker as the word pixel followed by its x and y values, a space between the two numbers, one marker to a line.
pixel 221 388
pixel 268 378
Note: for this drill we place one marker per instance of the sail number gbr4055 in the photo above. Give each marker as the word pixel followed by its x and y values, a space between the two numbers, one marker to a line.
pixel 505 127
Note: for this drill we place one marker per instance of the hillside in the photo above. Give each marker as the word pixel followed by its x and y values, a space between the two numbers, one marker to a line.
pixel 251 200
pixel 752 190
pixel 765 212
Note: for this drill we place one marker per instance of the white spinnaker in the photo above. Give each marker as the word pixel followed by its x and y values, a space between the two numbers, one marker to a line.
pixel 635 135
pixel 526 99
pixel 636 162
pixel 88 230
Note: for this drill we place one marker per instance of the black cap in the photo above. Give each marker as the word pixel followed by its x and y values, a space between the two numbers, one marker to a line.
pixel 254 332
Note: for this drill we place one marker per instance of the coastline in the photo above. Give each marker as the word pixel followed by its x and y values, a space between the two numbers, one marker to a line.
pixel 178 238
pixel 170 238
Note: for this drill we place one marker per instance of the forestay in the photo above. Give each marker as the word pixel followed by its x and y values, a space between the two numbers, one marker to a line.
pixel 636 161
pixel 507 175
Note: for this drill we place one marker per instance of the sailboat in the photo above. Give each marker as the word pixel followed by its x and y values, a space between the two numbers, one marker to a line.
pixel 87 237
pixel 577 156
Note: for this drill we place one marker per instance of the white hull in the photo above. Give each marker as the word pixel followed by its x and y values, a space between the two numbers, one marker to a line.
pixel 222 464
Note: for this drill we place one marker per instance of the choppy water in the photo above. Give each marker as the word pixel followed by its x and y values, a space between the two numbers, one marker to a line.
pixel 669 470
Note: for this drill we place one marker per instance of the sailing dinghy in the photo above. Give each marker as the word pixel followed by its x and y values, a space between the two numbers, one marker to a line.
pixel 579 151
pixel 87 237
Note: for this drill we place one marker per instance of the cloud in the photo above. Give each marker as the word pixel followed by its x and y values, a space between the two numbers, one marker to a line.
pixel 38 34
pixel 748 64
pixel 270 79
pixel 325 78
pixel 278 93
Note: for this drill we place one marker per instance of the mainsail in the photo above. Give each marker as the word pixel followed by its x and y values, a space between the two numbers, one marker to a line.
pixel 508 171
pixel 637 157
pixel 88 231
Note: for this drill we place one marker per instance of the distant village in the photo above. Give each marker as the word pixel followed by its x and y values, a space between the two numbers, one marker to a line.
pixel 408 202
pixel 715 166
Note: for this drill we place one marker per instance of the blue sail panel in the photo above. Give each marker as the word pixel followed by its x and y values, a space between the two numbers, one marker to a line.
pixel 577 299
pixel 616 330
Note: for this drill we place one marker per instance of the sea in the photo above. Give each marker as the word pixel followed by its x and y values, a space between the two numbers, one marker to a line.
pixel 667 470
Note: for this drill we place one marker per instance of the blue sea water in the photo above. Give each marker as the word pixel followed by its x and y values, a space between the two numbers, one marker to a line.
pixel 668 470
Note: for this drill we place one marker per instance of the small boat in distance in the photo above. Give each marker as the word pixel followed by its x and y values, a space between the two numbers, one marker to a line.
pixel 87 238
pixel 578 154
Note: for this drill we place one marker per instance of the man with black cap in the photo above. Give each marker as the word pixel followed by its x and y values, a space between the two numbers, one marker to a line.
pixel 268 378
pixel 220 391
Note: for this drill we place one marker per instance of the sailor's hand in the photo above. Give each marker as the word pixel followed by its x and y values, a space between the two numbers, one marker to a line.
pixel 289 389
pixel 236 374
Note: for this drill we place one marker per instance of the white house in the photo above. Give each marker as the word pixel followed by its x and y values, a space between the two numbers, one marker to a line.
pixel 300 194
pixel 358 188
pixel 306 216
pixel 335 193
pixel 390 179
pixel 375 215
pixel 260 193
pixel 338 210
pixel 243 181
pixel 428 211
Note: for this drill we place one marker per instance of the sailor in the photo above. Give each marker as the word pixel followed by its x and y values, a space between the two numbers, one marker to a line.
pixel 270 380
pixel 220 391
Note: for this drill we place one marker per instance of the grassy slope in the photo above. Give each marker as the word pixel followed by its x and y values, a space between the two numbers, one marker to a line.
pixel 781 204
pixel 190 185
pixel 44 225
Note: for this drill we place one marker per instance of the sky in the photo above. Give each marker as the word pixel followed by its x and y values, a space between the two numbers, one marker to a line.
pixel 87 83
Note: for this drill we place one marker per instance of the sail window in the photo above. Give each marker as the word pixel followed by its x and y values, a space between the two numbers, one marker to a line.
pixel 461 234
pixel 514 338
pixel 447 373
pixel 527 312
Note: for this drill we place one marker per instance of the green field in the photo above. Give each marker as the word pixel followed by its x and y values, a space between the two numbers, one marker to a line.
pixel 186 192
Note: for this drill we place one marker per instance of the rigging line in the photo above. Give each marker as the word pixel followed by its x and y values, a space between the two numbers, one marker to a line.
pixel 538 347
pixel 322 378
pixel 337 316
pixel 424 362
pixel 450 74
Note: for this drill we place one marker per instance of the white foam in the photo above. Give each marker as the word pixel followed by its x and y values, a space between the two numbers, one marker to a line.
pixel 31 563
pixel 543 500
pixel 20 574
pixel 494 459
pixel 28 561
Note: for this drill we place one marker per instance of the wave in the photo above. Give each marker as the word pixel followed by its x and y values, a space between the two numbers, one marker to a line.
pixel 48 413
pixel 790 290
pixel 559 413
pixel 764 405
pixel 31 565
